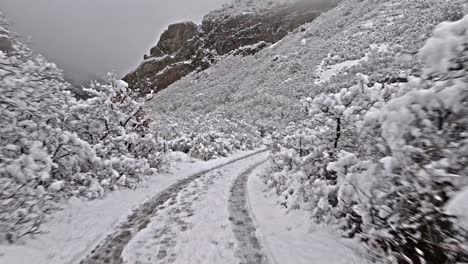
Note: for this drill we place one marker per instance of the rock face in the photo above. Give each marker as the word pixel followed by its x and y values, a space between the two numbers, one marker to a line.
pixel 6 44
pixel 187 47
pixel 174 38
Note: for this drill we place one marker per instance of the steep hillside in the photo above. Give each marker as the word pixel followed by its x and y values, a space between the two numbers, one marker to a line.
pixel 187 47
pixel 378 38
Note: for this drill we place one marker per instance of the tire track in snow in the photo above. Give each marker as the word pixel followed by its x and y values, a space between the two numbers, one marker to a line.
pixel 159 246
pixel 243 226
pixel 110 250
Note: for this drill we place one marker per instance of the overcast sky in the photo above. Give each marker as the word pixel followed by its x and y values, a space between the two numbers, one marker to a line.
pixel 88 38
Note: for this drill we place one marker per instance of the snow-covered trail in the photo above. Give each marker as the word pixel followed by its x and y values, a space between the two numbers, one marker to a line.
pixel 189 222
pixel 243 225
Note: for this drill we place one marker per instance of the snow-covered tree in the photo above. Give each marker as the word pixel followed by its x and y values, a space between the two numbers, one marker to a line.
pixel 53 146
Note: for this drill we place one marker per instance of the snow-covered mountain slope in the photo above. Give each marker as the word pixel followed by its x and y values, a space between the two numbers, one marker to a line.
pixel 186 47
pixel 378 38
pixel 243 7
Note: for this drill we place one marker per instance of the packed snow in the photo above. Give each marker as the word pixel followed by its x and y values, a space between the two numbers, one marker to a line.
pixel 194 227
pixel 458 206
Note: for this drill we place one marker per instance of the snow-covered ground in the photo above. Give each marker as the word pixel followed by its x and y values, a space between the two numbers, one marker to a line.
pixel 333 70
pixel 193 227
pixel 290 237
pixel 458 207
pixel 81 225
pixel 326 73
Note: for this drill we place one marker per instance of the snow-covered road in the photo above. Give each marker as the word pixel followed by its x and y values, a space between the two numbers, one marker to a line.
pixel 242 223
pixel 193 221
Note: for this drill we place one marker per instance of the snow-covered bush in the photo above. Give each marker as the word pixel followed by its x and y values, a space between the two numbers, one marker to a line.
pixel 118 128
pixel 53 146
pixel 206 137
pixel 383 159
pixel 33 109
pixel 425 157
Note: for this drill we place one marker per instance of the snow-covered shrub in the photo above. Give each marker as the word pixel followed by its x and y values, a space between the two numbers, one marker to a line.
pixel 33 109
pixel 206 137
pixel 383 159
pixel 425 158
pixel 118 128
pixel 317 142
pixel 456 10
pixel 53 146
pixel 415 157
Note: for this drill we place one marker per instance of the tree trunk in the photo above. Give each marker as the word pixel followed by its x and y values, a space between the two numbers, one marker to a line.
pixel 338 132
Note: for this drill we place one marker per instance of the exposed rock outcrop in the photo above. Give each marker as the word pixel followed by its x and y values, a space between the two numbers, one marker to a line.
pixel 6 44
pixel 186 47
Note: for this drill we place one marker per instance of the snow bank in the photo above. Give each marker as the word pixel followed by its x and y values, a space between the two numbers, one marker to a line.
pixel 289 236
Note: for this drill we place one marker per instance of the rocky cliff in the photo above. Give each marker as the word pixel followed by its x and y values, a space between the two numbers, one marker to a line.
pixel 187 47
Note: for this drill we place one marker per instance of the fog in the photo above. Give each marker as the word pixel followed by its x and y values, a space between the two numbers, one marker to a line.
pixel 88 38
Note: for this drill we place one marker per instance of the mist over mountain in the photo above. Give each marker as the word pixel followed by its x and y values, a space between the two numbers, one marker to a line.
pixel 89 38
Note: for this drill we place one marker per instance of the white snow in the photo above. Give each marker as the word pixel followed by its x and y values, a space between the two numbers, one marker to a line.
pixel 382 47
pixel 244 7
pixel 291 237
pixel 122 84
pixel 273 45
pixel 209 238
pixel 447 41
pixel 333 70
pixel 81 225
pixel 458 206
pixel 156 59
pixel 56 186
pixel 368 24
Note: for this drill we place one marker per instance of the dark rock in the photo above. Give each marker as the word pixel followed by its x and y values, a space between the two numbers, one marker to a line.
pixel 186 47
pixel 174 38
pixel 6 44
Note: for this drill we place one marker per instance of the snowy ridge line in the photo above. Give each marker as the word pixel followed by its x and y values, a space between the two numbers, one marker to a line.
pixel 243 226
pixel 111 248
